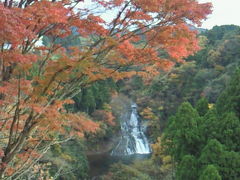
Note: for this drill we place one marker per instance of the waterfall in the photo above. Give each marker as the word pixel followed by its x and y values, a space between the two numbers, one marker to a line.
pixel 133 139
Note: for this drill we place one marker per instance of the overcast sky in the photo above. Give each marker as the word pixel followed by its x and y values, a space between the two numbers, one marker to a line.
pixel 224 12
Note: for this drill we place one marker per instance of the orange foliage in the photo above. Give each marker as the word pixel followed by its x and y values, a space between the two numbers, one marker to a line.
pixel 105 116
pixel 147 113
pixel 36 81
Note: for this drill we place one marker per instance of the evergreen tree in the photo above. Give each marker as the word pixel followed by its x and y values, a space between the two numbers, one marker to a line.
pixel 210 172
pixel 209 127
pixel 202 106
pixel 226 162
pixel 229 131
pixel 229 163
pixel 211 153
pixel 93 97
pixel 88 101
pixel 182 136
pixel 229 100
pixel 187 169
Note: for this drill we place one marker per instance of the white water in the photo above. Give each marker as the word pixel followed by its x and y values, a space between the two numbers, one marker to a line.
pixel 133 139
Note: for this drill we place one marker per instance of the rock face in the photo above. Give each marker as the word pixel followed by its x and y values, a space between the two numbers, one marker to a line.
pixel 133 140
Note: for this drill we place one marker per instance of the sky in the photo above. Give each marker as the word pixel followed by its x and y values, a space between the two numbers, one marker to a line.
pixel 224 12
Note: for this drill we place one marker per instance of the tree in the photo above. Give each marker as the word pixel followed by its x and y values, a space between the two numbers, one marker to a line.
pixel 211 152
pixel 202 106
pixel 66 161
pixel 229 130
pixel 209 126
pixel 229 101
pixel 218 32
pixel 226 162
pixel 187 169
pixel 182 134
pixel 210 172
pixel 36 80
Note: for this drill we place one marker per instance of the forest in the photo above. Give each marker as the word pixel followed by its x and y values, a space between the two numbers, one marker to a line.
pixel 117 90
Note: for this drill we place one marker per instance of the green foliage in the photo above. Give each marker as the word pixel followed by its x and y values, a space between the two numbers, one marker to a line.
pixel 219 32
pixel 87 102
pixel 230 98
pixel 218 59
pixel 211 152
pixel 182 135
pixel 209 126
pixel 202 106
pixel 124 172
pixel 203 142
pixel 214 136
pixel 139 170
pixel 229 129
pixel 206 74
pixel 187 168
pixel 226 162
pixel 68 161
pixel 92 97
pixel 210 172
pixel 149 168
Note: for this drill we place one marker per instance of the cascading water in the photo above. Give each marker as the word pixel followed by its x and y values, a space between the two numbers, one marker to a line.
pixel 132 144
pixel 133 140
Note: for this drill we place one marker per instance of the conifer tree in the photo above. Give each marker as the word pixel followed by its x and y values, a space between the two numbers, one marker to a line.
pixel 229 100
pixel 209 126
pixel 182 135
pixel 211 152
pixel 187 168
pixel 226 162
pixel 229 131
pixel 202 106
pixel 210 173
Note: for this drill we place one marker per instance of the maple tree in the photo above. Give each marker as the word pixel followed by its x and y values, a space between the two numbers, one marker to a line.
pixel 36 80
